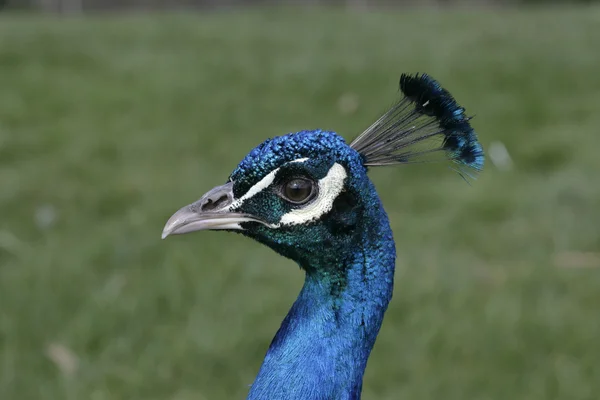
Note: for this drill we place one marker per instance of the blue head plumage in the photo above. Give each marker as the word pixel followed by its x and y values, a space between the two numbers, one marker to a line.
pixel 308 197
pixel 335 180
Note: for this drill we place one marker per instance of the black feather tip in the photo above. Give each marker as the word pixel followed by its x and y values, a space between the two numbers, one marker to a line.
pixel 427 124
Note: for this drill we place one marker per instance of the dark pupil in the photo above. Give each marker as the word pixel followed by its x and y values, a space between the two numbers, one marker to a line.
pixel 298 190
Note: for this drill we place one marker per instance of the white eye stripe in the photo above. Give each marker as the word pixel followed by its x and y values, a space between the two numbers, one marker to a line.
pixel 329 189
pixel 257 188
pixel 260 185
pixel 299 160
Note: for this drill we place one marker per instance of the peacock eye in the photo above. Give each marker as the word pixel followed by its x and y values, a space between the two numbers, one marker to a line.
pixel 298 190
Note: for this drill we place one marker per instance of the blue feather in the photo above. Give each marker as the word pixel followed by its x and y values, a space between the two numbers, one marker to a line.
pixel 427 124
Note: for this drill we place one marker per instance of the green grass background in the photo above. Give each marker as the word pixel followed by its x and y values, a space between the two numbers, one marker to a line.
pixel 109 124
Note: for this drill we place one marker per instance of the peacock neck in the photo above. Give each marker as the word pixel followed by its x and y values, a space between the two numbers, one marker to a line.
pixel 322 346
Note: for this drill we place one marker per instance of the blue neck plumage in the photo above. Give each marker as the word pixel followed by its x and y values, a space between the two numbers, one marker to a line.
pixel 322 346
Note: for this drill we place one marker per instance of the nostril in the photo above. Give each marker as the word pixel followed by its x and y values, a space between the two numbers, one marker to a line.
pixel 221 201
pixel 210 204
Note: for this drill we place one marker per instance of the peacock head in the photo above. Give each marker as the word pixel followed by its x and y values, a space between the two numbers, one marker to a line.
pixel 306 192
pixel 299 194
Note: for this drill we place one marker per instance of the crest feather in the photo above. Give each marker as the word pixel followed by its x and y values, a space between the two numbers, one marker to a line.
pixel 425 125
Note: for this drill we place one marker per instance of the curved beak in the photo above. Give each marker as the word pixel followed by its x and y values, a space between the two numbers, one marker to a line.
pixel 210 212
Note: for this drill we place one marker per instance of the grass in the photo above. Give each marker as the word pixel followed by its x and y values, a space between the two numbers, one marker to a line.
pixel 109 124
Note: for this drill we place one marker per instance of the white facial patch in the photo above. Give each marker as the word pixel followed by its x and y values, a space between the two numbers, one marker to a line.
pixel 329 189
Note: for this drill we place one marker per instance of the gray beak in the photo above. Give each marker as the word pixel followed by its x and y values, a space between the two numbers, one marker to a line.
pixel 210 212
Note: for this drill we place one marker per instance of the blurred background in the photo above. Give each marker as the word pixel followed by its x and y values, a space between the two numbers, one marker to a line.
pixel 113 118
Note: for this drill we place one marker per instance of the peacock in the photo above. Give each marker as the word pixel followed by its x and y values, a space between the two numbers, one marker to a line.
pixel 307 196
